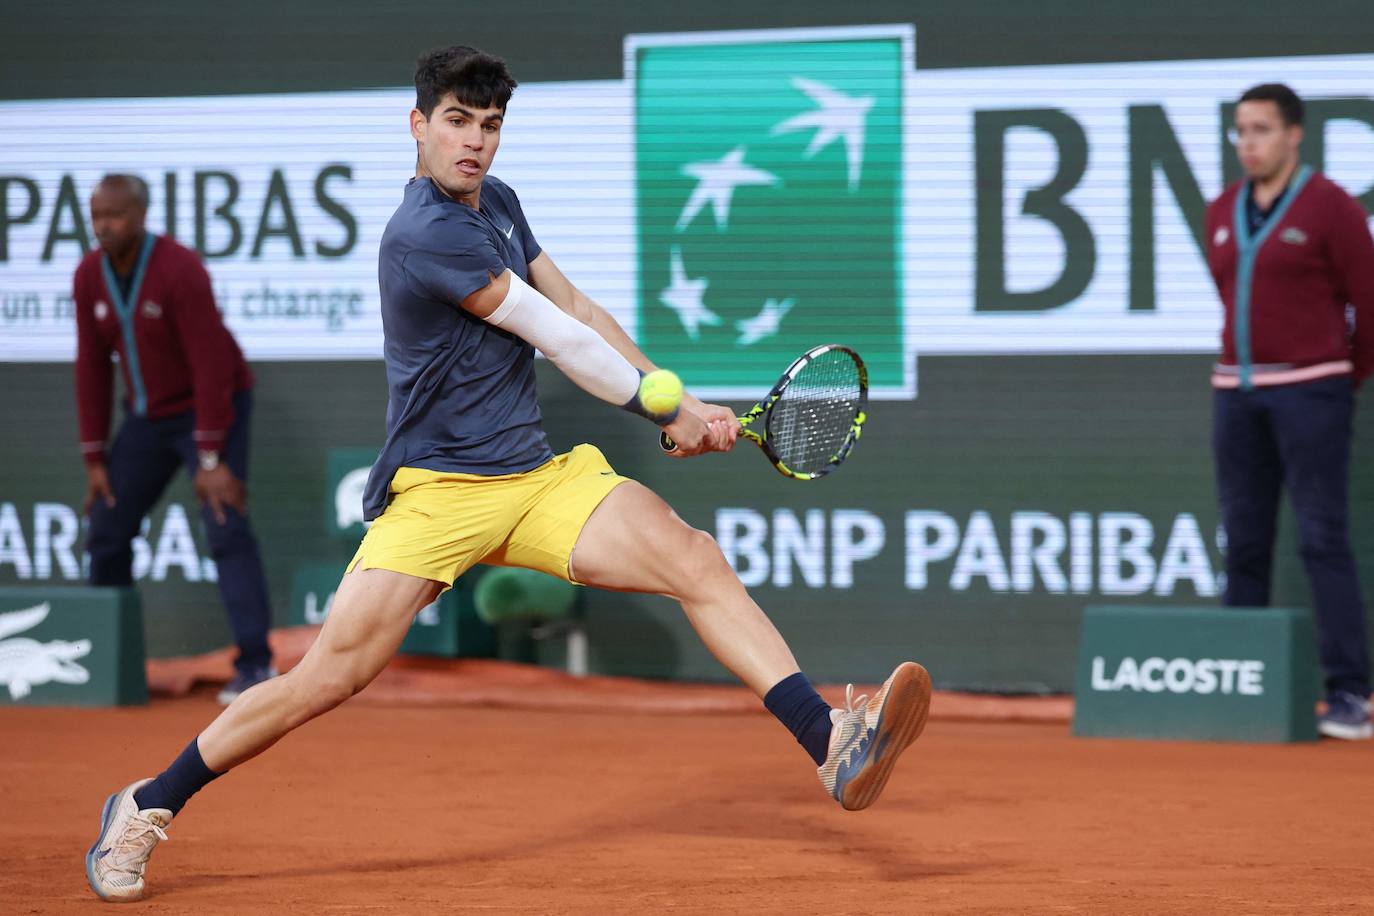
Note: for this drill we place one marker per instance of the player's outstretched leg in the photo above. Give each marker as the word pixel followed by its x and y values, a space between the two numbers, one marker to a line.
pixel 371 613
pixel 635 542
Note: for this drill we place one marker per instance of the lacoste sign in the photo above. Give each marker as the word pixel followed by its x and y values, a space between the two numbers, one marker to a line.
pixel 71 646
pixel 28 663
pixel 1181 675
pixel 1201 673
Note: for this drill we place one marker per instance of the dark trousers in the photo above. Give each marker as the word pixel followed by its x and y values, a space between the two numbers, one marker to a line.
pixel 143 458
pixel 1298 437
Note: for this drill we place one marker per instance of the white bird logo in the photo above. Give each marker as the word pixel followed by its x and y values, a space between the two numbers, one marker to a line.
pixel 684 297
pixel 765 324
pixel 716 184
pixel 839 115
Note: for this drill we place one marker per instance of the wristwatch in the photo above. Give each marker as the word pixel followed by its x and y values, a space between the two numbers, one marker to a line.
pixel 208 460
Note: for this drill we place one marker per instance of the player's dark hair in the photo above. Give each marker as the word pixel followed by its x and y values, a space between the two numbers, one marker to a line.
pixel 474 77
pixel 1290 106
pixel 132 183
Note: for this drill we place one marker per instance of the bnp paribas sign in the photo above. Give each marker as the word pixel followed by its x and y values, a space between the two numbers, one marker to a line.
pixel 796 186
pixel 769 169
pixel 732 199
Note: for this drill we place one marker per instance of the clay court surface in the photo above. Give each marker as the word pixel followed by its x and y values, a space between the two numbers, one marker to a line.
pixel 382 808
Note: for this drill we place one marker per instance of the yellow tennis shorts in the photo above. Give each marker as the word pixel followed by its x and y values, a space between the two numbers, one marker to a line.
pixel 438 524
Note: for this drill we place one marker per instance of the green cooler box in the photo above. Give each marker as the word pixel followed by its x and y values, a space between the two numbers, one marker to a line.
pixel 1205 674
pixel 71 646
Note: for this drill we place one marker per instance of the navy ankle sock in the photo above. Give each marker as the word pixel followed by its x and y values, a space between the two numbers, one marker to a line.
pixel 187 775
pixel 799 707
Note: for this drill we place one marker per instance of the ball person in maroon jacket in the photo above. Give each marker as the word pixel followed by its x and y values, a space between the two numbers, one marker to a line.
pixel 147 300
pixel 1292 257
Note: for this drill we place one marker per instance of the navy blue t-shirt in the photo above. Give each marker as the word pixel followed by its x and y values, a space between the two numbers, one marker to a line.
pixel 462 396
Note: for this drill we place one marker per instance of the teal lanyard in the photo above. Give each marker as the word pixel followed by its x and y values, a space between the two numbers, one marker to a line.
pixel 1247 249
pixel 125 310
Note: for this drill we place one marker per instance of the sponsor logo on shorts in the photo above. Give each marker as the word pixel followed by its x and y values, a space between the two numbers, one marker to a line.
pixel 1244 677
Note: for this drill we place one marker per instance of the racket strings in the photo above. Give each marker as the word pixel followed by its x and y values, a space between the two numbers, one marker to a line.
pixel 811 421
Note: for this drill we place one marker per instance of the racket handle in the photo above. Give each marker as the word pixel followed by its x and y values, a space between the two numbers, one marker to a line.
pixel 666 442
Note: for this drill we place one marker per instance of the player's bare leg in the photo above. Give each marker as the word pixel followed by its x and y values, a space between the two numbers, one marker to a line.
pixel 370 616
pixel 371 612
pixel 634 541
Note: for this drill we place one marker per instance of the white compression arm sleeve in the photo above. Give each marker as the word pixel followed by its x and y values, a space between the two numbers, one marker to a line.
pixel 578 351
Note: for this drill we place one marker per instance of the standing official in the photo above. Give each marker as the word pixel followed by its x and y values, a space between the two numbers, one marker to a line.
pixel 1289 251
pixel 147 300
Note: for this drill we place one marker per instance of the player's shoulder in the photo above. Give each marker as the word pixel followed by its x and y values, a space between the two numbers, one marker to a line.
pixel 429 219
pixel 493 185
pixel 499 197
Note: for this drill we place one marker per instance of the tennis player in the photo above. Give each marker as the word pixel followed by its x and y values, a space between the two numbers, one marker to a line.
pixel 466 476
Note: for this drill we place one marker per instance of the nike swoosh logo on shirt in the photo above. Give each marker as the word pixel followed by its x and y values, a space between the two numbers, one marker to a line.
pixel 510 230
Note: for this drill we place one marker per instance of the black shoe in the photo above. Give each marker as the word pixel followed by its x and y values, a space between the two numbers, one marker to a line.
pixel 1346 716
pixel 254 676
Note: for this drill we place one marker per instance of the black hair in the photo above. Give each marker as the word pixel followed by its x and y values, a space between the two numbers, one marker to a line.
pixel 474 77
pixel 1290 106
pixel 136 186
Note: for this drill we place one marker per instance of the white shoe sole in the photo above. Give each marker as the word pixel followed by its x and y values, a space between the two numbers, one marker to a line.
pixel 1347 732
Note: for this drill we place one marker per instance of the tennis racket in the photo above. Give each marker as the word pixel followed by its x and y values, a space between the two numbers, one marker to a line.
pixel 809 422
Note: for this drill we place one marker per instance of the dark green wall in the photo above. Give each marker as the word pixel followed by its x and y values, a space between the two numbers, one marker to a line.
pixel 1054 434
pixel 995 434
pixel 148 47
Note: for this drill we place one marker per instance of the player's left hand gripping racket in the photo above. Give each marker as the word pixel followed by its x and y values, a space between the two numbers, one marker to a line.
pixel 809 422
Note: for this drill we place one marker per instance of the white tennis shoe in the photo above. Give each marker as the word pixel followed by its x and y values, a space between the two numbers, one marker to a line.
pixel 114 865
pixel 869 736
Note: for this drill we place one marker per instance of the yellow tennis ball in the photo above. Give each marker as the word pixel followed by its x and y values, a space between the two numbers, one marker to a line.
pixel 660 392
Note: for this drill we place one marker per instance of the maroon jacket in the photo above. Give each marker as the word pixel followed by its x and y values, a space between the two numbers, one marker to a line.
pixel 183 357
pixel 1285 291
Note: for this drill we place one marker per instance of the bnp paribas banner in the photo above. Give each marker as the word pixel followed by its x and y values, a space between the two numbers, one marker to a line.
pixel 763 222
pixel 735 197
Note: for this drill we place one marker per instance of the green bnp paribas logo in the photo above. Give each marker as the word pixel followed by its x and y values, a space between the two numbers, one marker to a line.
pixel 769 175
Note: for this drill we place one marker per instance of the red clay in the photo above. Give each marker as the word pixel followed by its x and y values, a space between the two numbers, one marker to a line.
pixel 418 810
